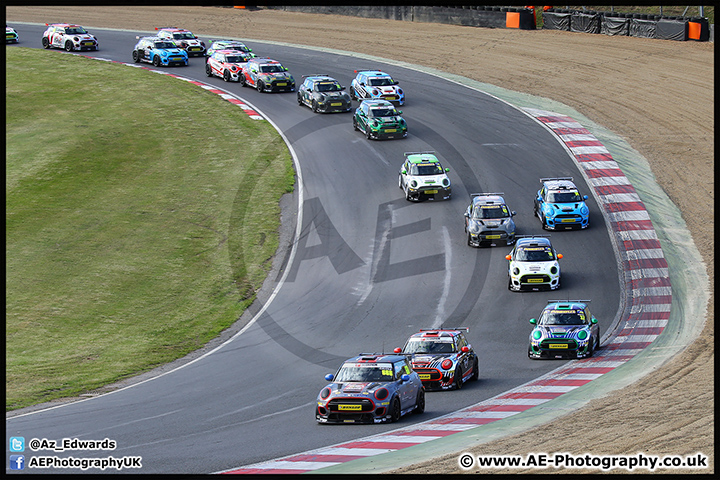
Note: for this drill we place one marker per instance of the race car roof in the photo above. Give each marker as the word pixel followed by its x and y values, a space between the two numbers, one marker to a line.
pixel 561 183
pixel 488 199
pixel 375 358
pixel 374 73
pixel 421 157
pixel 533 241
pixel 566 304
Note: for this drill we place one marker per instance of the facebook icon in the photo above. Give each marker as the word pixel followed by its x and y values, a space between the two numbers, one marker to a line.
pixel 17 462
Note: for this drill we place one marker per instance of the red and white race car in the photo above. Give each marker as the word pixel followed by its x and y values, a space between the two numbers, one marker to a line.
pixel 68 36
pixel 184 39
pixel 226 64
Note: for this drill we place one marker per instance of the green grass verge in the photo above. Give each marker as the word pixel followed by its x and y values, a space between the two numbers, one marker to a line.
pixel 141 217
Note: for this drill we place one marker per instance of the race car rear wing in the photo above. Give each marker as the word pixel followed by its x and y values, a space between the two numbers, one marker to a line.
pixel 569 301
pixel 487 194
pixel 419 153
pixel 555 178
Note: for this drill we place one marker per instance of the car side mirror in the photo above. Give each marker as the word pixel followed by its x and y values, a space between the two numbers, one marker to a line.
pixel 585 197
pixel 593 320
pixel 342 88
pixel 399 112
pixel 447 170
pixel 404 172
pixel 398 350
pixel 559 255
pixel 533 321
pixel 512 214
pixel 508 257
pixel 405 378
pixel 329 377
pixel 465 349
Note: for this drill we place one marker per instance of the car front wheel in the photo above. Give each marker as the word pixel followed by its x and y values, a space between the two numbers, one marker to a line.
pixel 259 86
pixel 156 61
pixel 136 56
pixel 208 70
pixel 226 76
pixel 45 43
pixel 68 46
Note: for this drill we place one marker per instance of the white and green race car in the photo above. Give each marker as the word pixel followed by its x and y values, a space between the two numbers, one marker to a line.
pixel 422 176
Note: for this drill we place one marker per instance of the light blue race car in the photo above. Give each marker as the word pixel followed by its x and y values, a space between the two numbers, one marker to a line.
pixel 559 205
pixel 565 329
pixel 371 388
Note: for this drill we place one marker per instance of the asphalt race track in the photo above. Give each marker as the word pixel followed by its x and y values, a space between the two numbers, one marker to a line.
pixel 369 269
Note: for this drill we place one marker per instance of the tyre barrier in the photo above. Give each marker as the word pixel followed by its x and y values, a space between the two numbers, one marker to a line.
pixel 633 25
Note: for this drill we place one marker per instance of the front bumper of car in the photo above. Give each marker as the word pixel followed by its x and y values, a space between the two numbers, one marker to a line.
pixel 490 237
pixel 329 105
pixel 195 51
pixel 278 85
pixel 352 410
pixel 534 281
pixel 569 219
pixel 84 44
pixel 559 348
pixel 173 59
pixel 387 132
pixel 436 379
pixel 11 38
pixel 429 192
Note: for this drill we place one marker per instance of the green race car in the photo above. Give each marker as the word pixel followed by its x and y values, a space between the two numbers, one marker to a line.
pixel 378 119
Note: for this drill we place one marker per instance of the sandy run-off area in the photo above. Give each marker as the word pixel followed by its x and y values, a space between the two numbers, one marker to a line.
pixel 656 94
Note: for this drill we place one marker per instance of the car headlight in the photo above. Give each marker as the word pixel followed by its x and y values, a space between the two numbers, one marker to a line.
pixel 537 335
pixel 374 92
pixel 554 270
pixel 516 271
pixel 399 91
pixel 584 210
pixel 413 183
pixel 549 212
pixel 446 364
pixel 446 182
pixel 582 334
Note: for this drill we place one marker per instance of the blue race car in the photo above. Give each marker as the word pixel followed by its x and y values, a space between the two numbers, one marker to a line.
pixel 566 329
pixel 371 388
pixel 159 52
pixel 559 205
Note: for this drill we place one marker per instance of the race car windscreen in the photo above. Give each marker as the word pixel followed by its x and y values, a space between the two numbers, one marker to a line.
pixel 235 59
pixel 420 346
pixel 564 197
pixel 75 31
pixel 491 211
pixel 328 87
pixel 380 82
pixel 426 169
pixel 562 317
pixel 270 69
pixel 382 112
pixel 162 45
pixel 183 35
pixel 534 254
pixel 365 373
